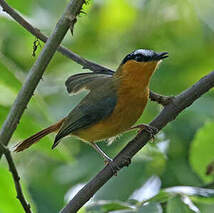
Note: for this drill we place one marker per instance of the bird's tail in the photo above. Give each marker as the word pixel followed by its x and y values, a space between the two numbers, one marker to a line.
pixel 36 137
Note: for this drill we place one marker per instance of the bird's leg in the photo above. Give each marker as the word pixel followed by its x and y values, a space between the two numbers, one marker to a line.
pixel 150 129
pixel 107 159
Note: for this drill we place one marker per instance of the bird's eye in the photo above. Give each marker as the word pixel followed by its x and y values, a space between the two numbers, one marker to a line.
pixel 138 57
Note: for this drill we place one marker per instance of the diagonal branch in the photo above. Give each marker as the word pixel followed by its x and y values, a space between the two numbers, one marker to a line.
pixel 37 70
pixel 36 32
pixel 16 178
pixel 169 113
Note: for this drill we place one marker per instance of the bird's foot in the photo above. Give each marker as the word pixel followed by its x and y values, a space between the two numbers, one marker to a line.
pixel 126 161
pixel 109 161
pixel 145 127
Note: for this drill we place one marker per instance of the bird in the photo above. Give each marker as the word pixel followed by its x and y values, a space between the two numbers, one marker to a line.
pixel 115 101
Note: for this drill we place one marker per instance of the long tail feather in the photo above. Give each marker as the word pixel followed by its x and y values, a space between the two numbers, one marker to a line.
pixel 36 137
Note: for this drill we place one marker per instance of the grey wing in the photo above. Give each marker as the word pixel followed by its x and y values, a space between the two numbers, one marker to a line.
pixel 88 81
pixel 97 105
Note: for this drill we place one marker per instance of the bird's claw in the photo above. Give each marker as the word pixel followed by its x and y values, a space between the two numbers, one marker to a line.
pixel 126 161
pixel 114 168
pixel 107 161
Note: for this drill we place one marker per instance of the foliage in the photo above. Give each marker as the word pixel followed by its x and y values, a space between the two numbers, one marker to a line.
pixel 111 29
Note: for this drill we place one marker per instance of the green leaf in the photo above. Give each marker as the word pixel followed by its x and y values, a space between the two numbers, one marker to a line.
pixel 150 208
pixel 202 150
pixel 161 197
pixel 177 205
pixel 196 193
pixel 8 77
pixel 189 190
pixel 9 85
pixel 107 206
pixel 11 204
pixel 8 96
pixel 206 208
pixel 21 5
pixel 3 113
pixel 119 21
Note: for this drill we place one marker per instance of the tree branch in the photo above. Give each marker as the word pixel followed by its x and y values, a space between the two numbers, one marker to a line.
pixel 36 32
pixel 169 113
pixel 16 178
pixel 161 99
pixel 38 69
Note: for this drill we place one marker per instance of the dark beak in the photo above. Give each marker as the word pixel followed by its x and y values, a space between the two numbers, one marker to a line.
pixel 162 55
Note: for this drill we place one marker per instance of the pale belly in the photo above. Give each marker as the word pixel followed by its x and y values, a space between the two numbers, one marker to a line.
pixel 126 113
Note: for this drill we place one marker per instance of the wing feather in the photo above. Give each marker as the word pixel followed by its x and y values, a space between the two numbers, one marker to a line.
pixel 97 105
pixel 77 82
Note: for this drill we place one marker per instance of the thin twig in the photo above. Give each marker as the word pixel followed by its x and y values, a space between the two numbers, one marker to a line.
pixel 36 32
pixel 16 178
pixel 37 70
pixel 169 113
pixel 161 99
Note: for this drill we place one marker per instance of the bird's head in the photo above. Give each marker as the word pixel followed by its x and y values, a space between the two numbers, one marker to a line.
pixel 145 56
pixel 141 62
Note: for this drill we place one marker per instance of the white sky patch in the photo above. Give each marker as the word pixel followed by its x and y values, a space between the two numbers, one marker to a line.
pixel 163 146
pixel 7 95
pixel 147 190
pixel 189 190
pixel 190 204
pixel 4 14
pixel 73 191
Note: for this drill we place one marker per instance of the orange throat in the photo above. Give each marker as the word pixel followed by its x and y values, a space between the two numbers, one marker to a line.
pixel 136 75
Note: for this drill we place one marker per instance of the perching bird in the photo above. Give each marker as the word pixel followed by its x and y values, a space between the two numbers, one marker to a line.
pixel 115 102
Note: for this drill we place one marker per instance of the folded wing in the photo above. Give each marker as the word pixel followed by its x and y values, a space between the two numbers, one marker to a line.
pixel 97 105
pixel 77 82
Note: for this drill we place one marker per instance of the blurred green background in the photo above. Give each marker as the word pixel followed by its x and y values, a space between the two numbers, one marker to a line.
pixel 110 30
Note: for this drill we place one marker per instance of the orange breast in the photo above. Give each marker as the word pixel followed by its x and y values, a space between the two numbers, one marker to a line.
pixel 126 113
pixel 133 95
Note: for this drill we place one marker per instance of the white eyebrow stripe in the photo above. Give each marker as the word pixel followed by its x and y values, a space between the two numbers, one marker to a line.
pixel 143 52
